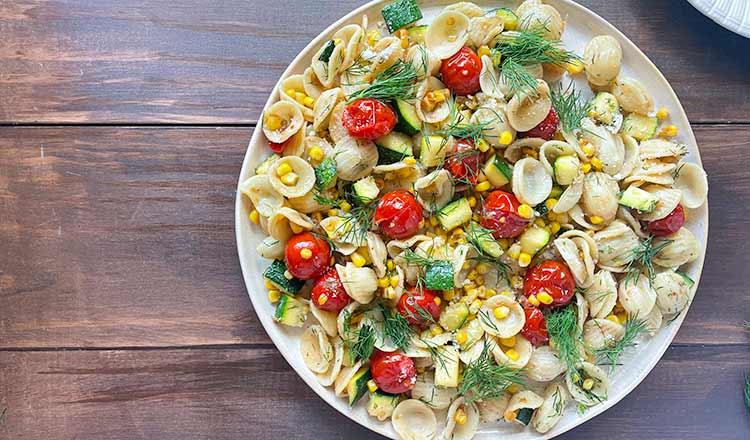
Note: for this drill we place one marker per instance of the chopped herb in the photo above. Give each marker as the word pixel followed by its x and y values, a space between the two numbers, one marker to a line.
pixel 570 108
pixel 564 334
pixel 485 379
pixel 634 327
pixel 364 345
pixel 642 262
pixel 396 82
pixel 396 327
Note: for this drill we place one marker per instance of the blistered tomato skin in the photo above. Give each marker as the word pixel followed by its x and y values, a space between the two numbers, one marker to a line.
pixel 278 148
pixel 368 119
pixel 669 224
pixel 411 302
pixel 545 129
pixel 328 292
pixel 535 328
pixel 393 372
pixel 500 215
pixel 307 268
pixel 398 215
pixel 552 277
pixel 464 162
pixel 461 72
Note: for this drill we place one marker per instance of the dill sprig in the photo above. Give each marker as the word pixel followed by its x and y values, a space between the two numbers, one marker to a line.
pixel 564 334
pixel 642 262
pixel 438 358
pixel 364 345
pixel 460 128
pixel 746 392
pixel 396 82
pixel 634 327
pixel 475 236
pixel 355 224
pixel 325 200
pixel 396 327
pixel 483 378
pixel 569 106
pixel 518 79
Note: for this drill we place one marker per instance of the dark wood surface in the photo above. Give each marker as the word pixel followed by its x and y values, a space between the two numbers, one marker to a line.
pixel 123 314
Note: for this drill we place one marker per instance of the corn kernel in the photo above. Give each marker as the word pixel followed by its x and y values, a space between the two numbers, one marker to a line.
pixel 575 67
pixel 622 317
pixel 255 216
pixel 289 179
pixel 472 201
pixel 393 280
pixel 506 138
pixel 508 342
pixel 525 211
pixel 530 153
pixel 501 312
pixel 373 37
pixel 576 377
pixel 545 298
pixel 306 254
pixel 512 354
pixel 390 293
pixel 274 295
pixel 460 416
pixel 514 251
pixel 297 229
pixel 587 149
pixel 586 167
pixel 507 293
pixel 309 102
pixel 551 216
pixel 409 160
pixel 596 220
pixel 383 282
pixel 513 389
pixel 291 92
pixel 332 213
pixel 461 337
pixel 346 206
pixel 438 301
pixel 273 122
pixel 554 227
pixel 662 114
pixel 390 264
pixel 483 146
pixel 436 330
pixel 668 131
pixel 405 43
pixel 472 275
pixel 550 203
pixel 434 221
pixel 533 300
pixel 588 384
pixel 299 97
pixel 613 318
pixel 358 259
pixel 524 259
pixel 317 153
pixel 482 51
pixel 540 223
pixel 482 187
pixel 475 305
pixel 322 299
pixel 269 285
pixel 372 386
pixel 597 163
pixel 497 57
pixel 449 294
pixel 337 41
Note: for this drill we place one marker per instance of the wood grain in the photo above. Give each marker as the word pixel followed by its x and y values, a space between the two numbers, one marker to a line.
pixel 123 237
pixel 192 61
pixel 234 394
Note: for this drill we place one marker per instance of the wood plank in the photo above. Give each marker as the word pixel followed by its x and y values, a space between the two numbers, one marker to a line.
pixel 119 237
pixel 197 62
pixel 238 394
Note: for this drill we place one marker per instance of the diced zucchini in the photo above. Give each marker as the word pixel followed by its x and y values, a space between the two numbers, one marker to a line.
pixel 523 416
pixel 454 316
pixel 484 241
pixel 497 171
pixel 275 274
pixel 381 405
pixel 432 151
pixel 533 240
pixel 439 276
pixel 326 174
pixel 566 169
pixel 636 198
pixel 454 214
pixel 401 13
pixel 290 311
pixel 639 126
pixel 510 19
pixel 357 386
pixel 446 368
pixel 366 190
pixel 263 167
pixel 325 55
pixel 474 333
pixel 408 120
pixel 556 192
pixel 416 34
pixel 604 107
pixel 393 147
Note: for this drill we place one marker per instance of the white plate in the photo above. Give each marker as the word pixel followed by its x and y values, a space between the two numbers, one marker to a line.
pixel 730 14
pixel 582 25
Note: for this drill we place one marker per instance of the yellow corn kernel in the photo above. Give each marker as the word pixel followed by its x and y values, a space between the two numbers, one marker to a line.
pixel 390 293
pixel 393 280
pixel 551 216
pixel 622 317
pixel 405 43
pixel 358 259
pixel 373 37
pixel 501 312
pixel 274 295
pixel 331 213
pixel 596 220
pixel 390 264
pixel 524 259
pixel 554 227
pixel 337 41
pixel 438 301
pixel 497 57
pixel 383 282
pixel 482 187
pixel 586 167
pixel 273 122
pixel 291 92
pixel 472 275
pixel 482 51
pixel 506 138
pixel 531 153
pixel 296 228
pixel 460 416
pixel 436 330
pixel 434 221
pixel 662 114
pixel 514 251
pixel 540 223
pixel 290 179
pixel 588 384
pixel 613 318
pixel 575 67
pixel 372 386
pixel 507 293
pixel 512 354
pixel 309 102
pixel 525 211
pixel 475 305
pixel 269 285
pixel 513 389
pixel 346 206
pixel 306 254
pixel 508 342
pixel 483 146
pixel 461 337
pixel 587 149
pixel 533 300
pixel 550 203
pixel 255 216
pixel 472 201
pixel 409 160
pixel 479 281
pixel 300 97
pixel 545 298
pixel 597 163
pixel 317 153
pixel 668 131
pixel 449 294
pixel 322 299
pixel 516 282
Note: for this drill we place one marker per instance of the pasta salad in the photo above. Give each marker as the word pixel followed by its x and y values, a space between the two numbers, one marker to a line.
pixel 458 231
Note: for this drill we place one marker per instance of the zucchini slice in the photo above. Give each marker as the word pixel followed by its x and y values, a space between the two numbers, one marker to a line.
pixel 325 55
pixel 393 147
pixel 357 386
pixel 439 276
pixel 454 316
pixel 275 274
pixel 401 14
pixel 326 174
pixel 382 404
pixel 290 311
pixel 263 167
pixel 454 214
pixel 523 416
pixel 636 198
pixel 640 127
pixel 408 120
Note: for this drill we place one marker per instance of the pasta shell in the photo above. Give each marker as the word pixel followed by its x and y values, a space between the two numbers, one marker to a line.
pixel 296 83
pixel 600 196
pixel 653 320
pixel 398 175
pixel 543 17
pixel 493 410
pixel 355 158
pixel 378 253
pixel 626 216
pixel 447 34
pixel 463 431
pixel 682 248
pixel 463 254
pixel 595 395
pixel 271 248
pixel 484 29
pixel 652 171
pixel 324 106
pixel 469 9
pixel 295 146
pixel 264 196
pixel 582 310
pixel 329 377
pixel 570 197
pixel 441 111
pixel 327 72
pixel 490 80
pixel 311 84
pixel 328 320
pixel 552 73
pixel 672 292
pixel 387 51
pixel 692 182
pixel 527 110
pixel 608 146
pixel 434 190
pixel 544 365
pixel 344 377
pixel 344 231
pixel 291 121
pixel 601 333
pixel 601 296
pixel 524 7
pixel 669 198
pixel 336 128
pixel 303 170
pixel 491 115
pixel 352 37
pixel 551 150
pixel 425 63
pixel 531 182
pixel 316 349
pixel 602 58
pixel 616 243
pixel 551 411
pixel 632 96
pixel 434 396
pixel 506 327
pixel 344 320
pixel 637 297
pixel 360 283
pixel 514 152
pixel 523 347
pixel 631 159
pixel 579 251
pixel 414 420
pixel 661 149
pixel 520 400
pixel 282 223
pixel 308 203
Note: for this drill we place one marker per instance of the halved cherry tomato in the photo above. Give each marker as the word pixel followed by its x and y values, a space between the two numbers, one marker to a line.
pixel 413 300
pixel 328 292
pixel 398 214
pixel 278 148
pixel 545 129
pixel 393 372
pixel 552 277
pixel 464 162
pixel 535 328
pixel 669 224
pixel 461 72
pixel 500 215
pixel 319 256
pixel 368 119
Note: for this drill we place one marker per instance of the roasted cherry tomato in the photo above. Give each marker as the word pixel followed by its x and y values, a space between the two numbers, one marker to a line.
pixel 535 328
pixel 552 277
pixel 464 162
pixel 398 214
pixel 461 72
pixel 393 372
pixel 310 263
pixel 669 224
pixel 414 301
pixel 545 129
pixel 368 119
pixel 278 148
pixel 328 292
pixel 500 215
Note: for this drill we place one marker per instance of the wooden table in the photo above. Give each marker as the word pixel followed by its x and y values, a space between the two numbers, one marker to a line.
pixel 123 314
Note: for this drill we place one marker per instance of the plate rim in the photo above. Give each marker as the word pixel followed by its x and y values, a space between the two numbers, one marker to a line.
pixel 740 27
pixel 276 338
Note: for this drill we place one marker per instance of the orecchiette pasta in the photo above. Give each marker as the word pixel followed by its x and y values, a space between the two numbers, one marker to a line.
pixel 603 58
pixel 414 420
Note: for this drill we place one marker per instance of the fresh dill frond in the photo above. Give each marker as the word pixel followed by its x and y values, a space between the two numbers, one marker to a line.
pixel 416 259
pixel 564 334
pixel 484 317
pixel 746 392
pixel 634 327
pixel 396 82
pixel 518 79
pixel 438 358
pixel 360 67
pixel 396 327
pixel 677 171
pixel 475 236
pixel 483 378
pixel 325 200
pixel 642 262
pixel 570 108
pixel 364 345
pixel 356 223
pixel 460 128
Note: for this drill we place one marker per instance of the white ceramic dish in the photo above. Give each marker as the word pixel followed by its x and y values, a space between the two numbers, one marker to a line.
pixel 582 25
pixel 730 14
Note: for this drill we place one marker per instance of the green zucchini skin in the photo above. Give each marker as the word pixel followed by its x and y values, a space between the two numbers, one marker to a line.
pixel 400 14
